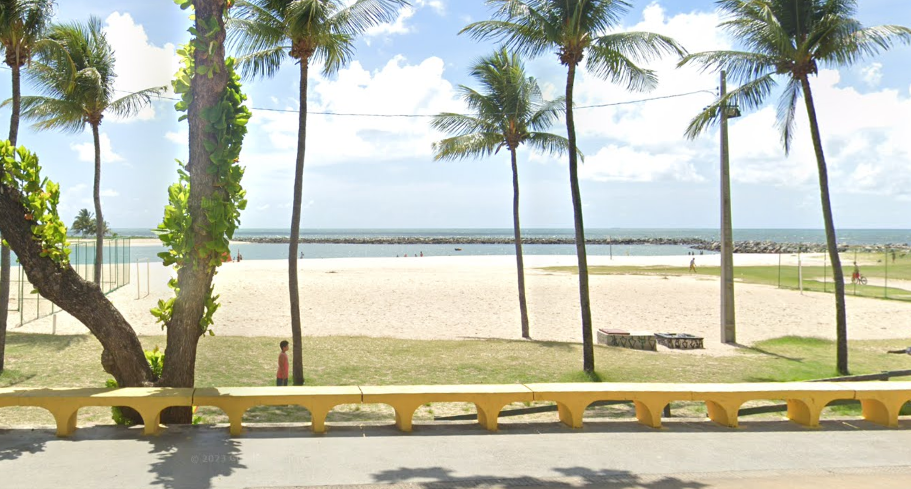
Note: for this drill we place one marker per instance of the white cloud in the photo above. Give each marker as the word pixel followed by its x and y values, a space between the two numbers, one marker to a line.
pixel 397 88
pixel 401 24
pixel 873 74
pixel 624 164
pixel 110 193
pixel 86 151
pixel 140 64
pixel 178 137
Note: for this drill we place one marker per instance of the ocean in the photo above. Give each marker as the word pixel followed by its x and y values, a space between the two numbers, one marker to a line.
pixel 264 251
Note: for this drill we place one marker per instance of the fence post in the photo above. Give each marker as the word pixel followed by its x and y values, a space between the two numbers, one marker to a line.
pixel 779 269
pixel 886 286
pixel 825 271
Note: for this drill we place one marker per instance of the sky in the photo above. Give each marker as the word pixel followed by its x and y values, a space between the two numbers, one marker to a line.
pixel 366 172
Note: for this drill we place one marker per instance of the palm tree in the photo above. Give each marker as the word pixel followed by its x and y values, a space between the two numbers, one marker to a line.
pixel 510 112
pixel 84 222
pixel 792 38
pixel 576 30
pixel 75 74
pixel 265 33
pixel 22 23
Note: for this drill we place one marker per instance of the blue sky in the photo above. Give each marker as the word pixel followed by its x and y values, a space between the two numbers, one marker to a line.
pixel 378 173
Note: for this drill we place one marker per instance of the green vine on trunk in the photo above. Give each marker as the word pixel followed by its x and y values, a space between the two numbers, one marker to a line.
pixel 226 122
pixel 40 198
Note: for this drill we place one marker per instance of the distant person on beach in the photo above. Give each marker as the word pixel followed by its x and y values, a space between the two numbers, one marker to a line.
pixel 302 254
pixel 281 376
pixel 422 254
pixel 855 276
pixel 693 265
pixel 239 256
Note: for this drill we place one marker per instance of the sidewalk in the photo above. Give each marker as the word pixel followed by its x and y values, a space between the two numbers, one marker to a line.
pixel 611 455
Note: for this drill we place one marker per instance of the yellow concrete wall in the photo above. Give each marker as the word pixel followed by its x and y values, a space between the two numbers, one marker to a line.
pixel 881 401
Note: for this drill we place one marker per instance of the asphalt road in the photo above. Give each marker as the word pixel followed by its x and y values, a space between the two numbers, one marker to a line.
pixel 682 455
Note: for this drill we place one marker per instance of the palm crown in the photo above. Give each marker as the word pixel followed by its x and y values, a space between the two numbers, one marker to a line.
pixel 509 111
pixel 578 30
pixel 74 72
pixel 264 32
pixel 791 38
pixel 22 22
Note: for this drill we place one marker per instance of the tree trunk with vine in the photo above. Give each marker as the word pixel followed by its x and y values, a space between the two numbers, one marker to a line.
pixel 195 278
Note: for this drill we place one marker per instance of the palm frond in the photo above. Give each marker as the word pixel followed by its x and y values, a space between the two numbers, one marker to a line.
pixel 50 113
pixel 740 66
pixel 547 114
pixel 459 124
pixel 265 63
pixel 475 145
pixel 364 14
pixel 131 104
pixel 748 96
pixel 787 108
pixel 610 64
pixel 548 143
pixel 639 46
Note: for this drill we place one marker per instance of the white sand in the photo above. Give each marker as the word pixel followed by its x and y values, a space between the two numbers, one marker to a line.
pixel 476 297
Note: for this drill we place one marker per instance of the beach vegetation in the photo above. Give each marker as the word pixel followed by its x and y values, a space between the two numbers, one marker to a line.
pixel 84 224
pixel 265 33
pixel 578 31
pixel 74 72
pixel 508 112
pixel 22 26
pixel 791 39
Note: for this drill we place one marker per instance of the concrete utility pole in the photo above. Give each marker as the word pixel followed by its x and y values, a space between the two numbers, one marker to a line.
pixel 728 325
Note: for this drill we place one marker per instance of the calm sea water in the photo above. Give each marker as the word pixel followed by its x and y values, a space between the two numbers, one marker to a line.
pixel 257 251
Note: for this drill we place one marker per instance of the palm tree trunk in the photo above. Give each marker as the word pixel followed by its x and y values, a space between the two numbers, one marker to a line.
pixel 520 265
pixel 841 323
pixel 588 350
pixel 5 257
pixel 99 220
pixel 297 368
pixel 195 277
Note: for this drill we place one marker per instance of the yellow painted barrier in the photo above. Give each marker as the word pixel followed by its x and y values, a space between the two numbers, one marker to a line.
pixel 489 399
pixel 881 401
pixel 64 404
pixel 235 401
pixel 573 399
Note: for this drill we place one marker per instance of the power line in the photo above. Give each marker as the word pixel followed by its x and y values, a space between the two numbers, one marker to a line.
pixel 355 114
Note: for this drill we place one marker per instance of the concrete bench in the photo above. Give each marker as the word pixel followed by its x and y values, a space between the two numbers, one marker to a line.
pixel 64 404
pixel 235 401
pixel 573 399
pixel 488 399
pixel 805 400
pixel 881 402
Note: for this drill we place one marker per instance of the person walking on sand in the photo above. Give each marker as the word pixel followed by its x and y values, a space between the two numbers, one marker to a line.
pixel 281 376
pixel 693 265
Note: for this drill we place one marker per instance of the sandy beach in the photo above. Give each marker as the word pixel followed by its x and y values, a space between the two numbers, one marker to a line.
pixel 476 297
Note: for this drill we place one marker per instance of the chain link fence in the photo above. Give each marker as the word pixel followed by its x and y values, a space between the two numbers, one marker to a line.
pixel 26 305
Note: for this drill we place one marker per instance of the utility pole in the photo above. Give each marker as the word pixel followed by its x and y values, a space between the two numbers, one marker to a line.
pixel 728 325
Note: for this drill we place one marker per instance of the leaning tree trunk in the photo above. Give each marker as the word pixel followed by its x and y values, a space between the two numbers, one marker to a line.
pixel 841 323
pixel 99 220
pixel 5 257
pixel 588 350
pixel 123 356
pixel 520 265
pixel 297 349
pixel 195 277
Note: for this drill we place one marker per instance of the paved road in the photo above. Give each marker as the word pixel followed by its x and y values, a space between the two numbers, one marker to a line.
pixel 603 455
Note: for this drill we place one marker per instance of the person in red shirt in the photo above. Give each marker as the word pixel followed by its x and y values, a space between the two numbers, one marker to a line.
pixel 281 377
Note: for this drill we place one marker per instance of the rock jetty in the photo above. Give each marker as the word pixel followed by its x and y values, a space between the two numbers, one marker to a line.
pixel 694 243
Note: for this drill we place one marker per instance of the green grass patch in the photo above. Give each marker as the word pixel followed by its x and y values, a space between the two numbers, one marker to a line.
pixel 815 278
pixel 74 361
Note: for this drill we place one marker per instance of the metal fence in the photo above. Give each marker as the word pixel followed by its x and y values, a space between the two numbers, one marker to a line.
pixel 883 274
pixel 115 273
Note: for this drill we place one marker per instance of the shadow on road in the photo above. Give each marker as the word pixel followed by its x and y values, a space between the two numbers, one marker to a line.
pixel 571 477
